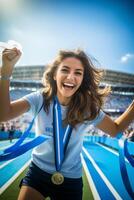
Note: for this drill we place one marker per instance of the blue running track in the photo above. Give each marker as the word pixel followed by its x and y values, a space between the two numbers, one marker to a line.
pixel 9 170
pixel 103 166
pixel 100 163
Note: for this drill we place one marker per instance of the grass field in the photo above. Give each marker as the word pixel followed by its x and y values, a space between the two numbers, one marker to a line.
pixel 11 193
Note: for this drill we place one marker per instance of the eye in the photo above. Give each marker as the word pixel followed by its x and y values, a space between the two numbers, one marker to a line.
pixel 64 70
pixel 78 73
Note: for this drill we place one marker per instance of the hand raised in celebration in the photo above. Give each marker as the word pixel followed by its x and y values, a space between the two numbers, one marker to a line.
pixel 9 59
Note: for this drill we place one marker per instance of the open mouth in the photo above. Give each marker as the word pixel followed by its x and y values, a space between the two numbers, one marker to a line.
pixel 68 85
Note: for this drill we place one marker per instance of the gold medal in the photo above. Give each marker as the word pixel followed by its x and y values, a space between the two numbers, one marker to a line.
pixel 57 178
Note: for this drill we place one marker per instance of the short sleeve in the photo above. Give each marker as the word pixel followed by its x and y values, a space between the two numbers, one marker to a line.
pixel 98 119
pixel 35 99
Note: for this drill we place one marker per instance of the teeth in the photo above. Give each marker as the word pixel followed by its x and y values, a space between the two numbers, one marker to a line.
pixel 69 84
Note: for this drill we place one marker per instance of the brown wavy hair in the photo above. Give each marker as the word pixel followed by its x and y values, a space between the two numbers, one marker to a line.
pixel 86 103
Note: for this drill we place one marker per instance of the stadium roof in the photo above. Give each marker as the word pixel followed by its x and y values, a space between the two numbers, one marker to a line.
pixel 35 73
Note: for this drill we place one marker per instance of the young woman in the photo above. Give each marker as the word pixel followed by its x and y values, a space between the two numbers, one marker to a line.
pixel 71 97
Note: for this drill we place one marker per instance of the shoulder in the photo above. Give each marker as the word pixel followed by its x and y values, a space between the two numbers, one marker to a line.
pixel 34 96
pixel 98 118
pixel 35 99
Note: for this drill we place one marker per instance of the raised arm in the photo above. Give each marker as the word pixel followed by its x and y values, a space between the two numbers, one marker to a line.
pixel 120 124
pixel 9 110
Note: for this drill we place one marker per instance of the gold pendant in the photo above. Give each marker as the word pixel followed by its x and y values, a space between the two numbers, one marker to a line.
pixel 57 178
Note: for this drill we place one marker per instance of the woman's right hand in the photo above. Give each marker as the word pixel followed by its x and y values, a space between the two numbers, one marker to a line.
pixel 9 59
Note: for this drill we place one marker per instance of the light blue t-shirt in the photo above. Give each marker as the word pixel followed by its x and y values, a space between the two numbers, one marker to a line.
pixel 43 155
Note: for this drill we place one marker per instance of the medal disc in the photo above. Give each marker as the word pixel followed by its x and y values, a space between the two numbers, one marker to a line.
pixel 57 178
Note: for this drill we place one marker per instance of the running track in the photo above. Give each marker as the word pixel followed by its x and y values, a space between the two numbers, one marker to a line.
pixel 100 163
pixel 103 172
pixel 10 170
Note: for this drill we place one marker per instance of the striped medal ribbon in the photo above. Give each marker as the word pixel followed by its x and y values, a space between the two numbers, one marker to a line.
pixel 61 140
pixel 20 147
pixel 123 152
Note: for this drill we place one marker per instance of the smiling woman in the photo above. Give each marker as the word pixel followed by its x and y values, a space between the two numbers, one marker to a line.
pixel 71 73
pixel 70 101
pixel 68 77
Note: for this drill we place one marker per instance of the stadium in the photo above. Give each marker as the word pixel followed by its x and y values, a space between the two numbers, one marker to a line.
pixel 27 79
pixel 122 85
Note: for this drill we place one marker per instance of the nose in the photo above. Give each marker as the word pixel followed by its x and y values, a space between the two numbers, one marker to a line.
pixel 70 76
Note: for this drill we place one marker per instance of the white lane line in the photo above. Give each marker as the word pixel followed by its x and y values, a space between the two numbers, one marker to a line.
pixel 11 144
pixel 6 185
pixel 2 148
pixel 111 150
pixel 109 185
pixel 90 180
pixel 6 163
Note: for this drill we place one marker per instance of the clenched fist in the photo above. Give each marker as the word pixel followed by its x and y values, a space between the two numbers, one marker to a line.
pixel 9 59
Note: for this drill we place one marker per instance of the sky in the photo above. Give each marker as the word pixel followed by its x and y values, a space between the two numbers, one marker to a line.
pixel 104 29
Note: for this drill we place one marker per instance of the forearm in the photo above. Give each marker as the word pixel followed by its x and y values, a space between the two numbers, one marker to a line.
pixel 125 119
pixel 4 98
pixel 9 59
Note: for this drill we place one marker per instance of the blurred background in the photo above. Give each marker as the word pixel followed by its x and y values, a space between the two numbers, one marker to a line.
pixel 102 28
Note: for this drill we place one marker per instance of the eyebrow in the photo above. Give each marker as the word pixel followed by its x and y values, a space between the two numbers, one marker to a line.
pixel 78 69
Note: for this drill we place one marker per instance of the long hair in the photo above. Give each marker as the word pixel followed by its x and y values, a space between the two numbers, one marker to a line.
pixel 86 103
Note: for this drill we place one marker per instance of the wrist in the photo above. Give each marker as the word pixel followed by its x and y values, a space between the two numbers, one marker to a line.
pixel 4 77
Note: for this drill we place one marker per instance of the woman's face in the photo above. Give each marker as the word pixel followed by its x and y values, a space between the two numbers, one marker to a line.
pixel 68 77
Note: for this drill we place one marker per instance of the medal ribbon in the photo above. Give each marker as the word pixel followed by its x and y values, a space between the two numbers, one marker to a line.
pixel 19 148
pixel 24 135
pixel 123 152
pixel 61 135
